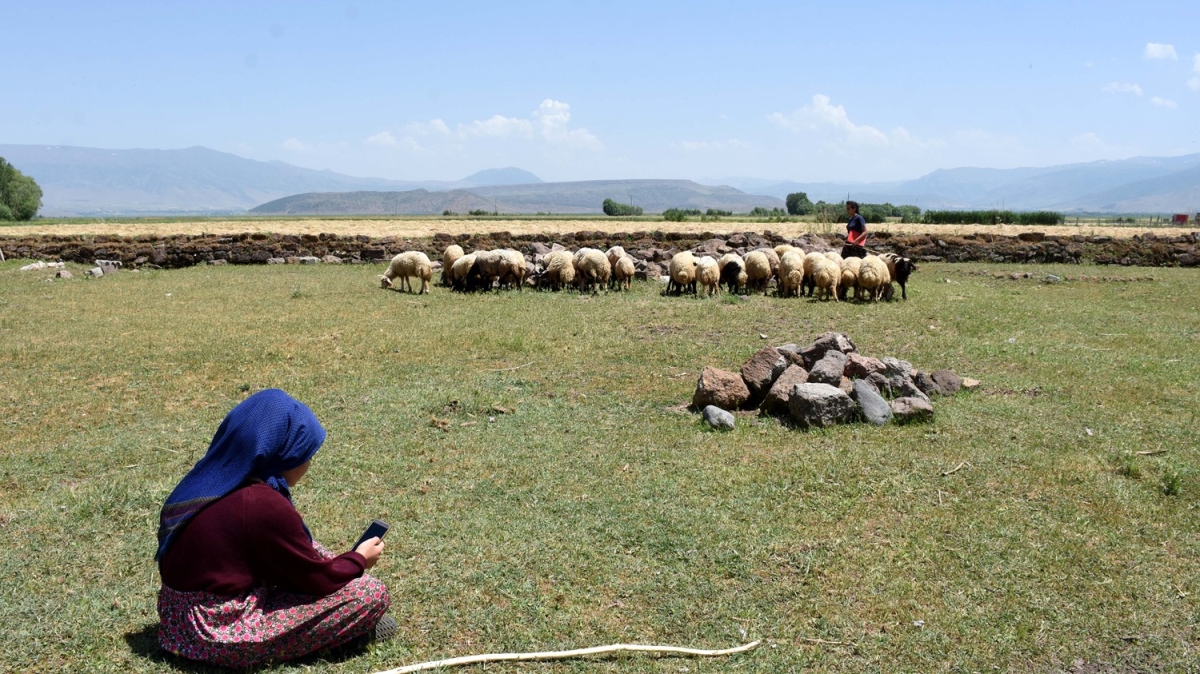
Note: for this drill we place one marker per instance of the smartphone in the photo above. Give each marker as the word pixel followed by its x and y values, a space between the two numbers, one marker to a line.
pixel 377 530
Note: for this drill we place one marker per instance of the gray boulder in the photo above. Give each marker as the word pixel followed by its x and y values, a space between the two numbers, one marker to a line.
pixel 721 388
pixel 333 259
pixel 63 273
pixel 777 398
pixel 276 260
pixel 309 259
pixel 719 418
pixel 875 410
pixel 880 383
pixel 96 272
pixel 761 371
pixel 792 353
pixel 926 384
pixel 820 405
pixel 829 369
pixel 947 381
pixel 897 372
pixel 909 389
pixel 906 410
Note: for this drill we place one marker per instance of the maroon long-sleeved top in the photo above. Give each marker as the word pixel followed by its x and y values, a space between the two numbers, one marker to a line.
pixel 252 537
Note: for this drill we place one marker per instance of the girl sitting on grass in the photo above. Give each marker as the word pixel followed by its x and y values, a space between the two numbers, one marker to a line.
pixel 243 582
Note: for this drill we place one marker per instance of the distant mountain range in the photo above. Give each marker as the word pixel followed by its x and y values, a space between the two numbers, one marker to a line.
pixel 1138 185
pixel 571 197
pixel 99 182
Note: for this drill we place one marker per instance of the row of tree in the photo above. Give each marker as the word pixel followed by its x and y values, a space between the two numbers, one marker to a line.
pixel 20 196
pixel 798 203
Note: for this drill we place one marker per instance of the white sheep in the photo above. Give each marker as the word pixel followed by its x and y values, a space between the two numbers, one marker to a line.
pixel 873 276
pixel 758 270
pixel 827 275
pixel 811 260
pixel 592 270
pixel 850 267
pixel 791 273
pixel 449 256
pixel 623 272
pixel 682 271
pixel 773 258
pixel 559 270
pixel 614 254
pixel 785 248
pixel 708 275
pixel 513 270
pixel 410 264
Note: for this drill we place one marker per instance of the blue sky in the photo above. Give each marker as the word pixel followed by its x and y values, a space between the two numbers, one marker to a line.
pixel 585 90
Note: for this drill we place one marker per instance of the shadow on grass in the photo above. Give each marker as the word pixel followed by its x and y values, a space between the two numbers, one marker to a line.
pixel 144 644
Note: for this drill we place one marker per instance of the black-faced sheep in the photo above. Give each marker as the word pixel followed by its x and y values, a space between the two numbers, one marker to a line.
pixel 899 268
pixel 411 264
pixel 733 272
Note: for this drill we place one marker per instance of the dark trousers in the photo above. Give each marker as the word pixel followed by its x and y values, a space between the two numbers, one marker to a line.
pixel 853 250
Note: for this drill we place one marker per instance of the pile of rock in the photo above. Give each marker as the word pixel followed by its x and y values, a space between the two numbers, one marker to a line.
pixel 825 383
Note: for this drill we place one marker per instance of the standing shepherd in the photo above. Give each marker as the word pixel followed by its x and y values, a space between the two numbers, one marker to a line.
pixel 856 232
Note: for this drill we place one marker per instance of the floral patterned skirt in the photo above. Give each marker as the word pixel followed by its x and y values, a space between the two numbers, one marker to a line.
pixel 267 625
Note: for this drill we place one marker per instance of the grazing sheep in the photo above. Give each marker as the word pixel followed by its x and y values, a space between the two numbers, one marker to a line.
pixel 559 270
pixel 827 275
pixel 682 271
pixel 791 274
pixel 708 275
pixel 460 273
pixel 786 248
pixel 833 256
pixel 449 256
pixel 513 270
pixel 758 271
pixel 408 265
pixel 489 266
pixel 811 261
pixel 592 270
pixel 623 272
pixel 899 268
pixel 850 267
pixel 614 254
pixel 732 271
pixel 873 276
pixel 773 258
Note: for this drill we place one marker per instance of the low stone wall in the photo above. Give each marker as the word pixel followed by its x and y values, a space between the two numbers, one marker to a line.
pixel 649 246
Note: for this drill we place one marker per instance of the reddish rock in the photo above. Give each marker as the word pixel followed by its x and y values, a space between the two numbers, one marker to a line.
pixel 761 371
pixel 721 388
pixel 947 381
pixel 776 401
pixel 859 366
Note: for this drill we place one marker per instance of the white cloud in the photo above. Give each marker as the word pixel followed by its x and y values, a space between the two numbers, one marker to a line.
pixel 497 126
pixel 1194 83
pixel 821 115
pixel 1157 51
pixel 548 127
pixel 384 138
pixel 701 145
pixel 1122 88
pixel 293 144
pixel 1163 102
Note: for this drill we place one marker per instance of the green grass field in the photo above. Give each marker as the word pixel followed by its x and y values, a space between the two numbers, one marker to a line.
pixel 597 511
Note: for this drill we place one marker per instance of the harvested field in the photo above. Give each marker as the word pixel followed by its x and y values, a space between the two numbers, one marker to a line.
pixel 421 228
pixel 547 491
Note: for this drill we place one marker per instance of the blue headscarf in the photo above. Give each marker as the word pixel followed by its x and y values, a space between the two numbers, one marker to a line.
pixel 266 434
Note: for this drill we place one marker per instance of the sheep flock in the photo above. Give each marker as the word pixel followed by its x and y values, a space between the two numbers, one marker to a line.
pixel 788 269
